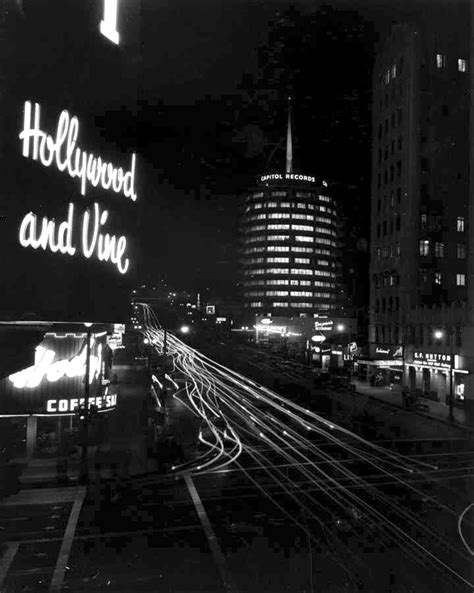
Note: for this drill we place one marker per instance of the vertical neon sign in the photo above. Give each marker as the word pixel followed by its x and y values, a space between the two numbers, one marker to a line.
pixel 108 26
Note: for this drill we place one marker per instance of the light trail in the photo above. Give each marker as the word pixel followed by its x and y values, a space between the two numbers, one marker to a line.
pixel 312 455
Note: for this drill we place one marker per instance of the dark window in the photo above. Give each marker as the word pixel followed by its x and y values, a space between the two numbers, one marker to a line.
pixel 399 116
pixel 393 120
pixel 458 336
pixel 399 143
pixel 423 220
pixel 444 110
pixel 424 164
pixel 380 155
pixel 378 230
pixel 397 222
pixel 392 173
pixel 384 305
pixel 391 225
pixel 380 131
pixel 379 179
pixel 399 195
pixel 379 203
pixel 399 168
pixel 384 228
pixel 385 177
pixel 393 146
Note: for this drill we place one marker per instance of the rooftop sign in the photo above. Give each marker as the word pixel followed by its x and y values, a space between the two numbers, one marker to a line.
pixel 287 176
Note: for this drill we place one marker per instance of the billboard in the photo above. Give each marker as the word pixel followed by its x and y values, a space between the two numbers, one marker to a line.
pixel 70 179
pixel 55 382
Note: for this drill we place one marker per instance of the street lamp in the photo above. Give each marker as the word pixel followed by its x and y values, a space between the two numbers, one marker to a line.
pixel 184 329
pixel 438 334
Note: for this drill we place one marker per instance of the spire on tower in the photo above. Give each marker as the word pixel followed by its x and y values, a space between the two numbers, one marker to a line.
pixel 289 142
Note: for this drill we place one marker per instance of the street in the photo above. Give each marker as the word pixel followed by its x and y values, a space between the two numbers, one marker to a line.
pixel 271 494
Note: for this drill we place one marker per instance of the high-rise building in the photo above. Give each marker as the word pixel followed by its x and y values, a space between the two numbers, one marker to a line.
pixel 289 243
pixel 420 197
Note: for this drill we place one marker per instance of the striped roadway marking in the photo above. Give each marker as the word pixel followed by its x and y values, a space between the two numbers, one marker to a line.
pixel 63 557
pixel 7 559
pixel 216 550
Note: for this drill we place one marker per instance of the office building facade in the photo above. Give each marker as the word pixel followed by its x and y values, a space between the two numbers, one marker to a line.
pixel 419 211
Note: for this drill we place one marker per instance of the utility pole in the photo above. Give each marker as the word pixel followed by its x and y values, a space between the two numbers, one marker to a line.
pixel 85 421
pixel 451 371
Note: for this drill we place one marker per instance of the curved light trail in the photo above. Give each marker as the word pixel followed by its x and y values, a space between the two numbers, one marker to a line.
pixel 302 454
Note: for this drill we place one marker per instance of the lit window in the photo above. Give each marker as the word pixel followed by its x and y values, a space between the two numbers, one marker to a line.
pixel 462 65
pixel 424 247
pixel 278 237
pixel 437 277
pixel 440 61
pixel 305 282
pixel 302 260
pixel 439 249
pixel 276 293
pixel 277 271
pixel 302 227
pixel 278 193
pixel 394 71
pixel 301 293
pixel 460 279
pixel 285 205
pixel 278 304
pixel 303 239
pixel 294 282
pixel 301 271
pixel 272 204
pixel 277 260
pixel 460 224
pixel 302 249
pixel 460 251
pixel 423 220
pixel 278 227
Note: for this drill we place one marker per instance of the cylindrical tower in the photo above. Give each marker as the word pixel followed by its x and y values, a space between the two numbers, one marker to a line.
pixel 289 247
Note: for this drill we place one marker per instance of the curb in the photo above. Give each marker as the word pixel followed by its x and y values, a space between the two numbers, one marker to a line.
pixel 419 413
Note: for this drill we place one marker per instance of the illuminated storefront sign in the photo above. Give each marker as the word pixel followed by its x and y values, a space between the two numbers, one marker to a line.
pixel 46 368
pixel 433 359
pixel 105 402
pixel 61 151
pixel 324 325
pixel 295 176
pixel 384 351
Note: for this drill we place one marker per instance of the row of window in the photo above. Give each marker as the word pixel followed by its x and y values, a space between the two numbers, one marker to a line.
pixel 389 174
pixel 386 279
pixel 425 277
pixel 286 305
pixel 288 215
pixel 285 293
pixel 383 155
pixel 388 226
pixel 442 62
pixel 297 271
pixel 284 282
pixel 297 238
pixel 299 194
pixel 418 335
pixel 396 119
pixel 438 249
pixel 294 227
pixel 281 249
pixel 460 222
pixel 292 205
pixel 388 251
pixel 390 304
pixel 280 260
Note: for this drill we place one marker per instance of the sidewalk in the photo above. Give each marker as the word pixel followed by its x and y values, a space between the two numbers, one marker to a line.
pixel 436 410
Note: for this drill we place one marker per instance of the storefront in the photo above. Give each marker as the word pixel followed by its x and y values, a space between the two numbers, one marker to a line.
pixel 383 366
pixel 429 375
pixel 40 405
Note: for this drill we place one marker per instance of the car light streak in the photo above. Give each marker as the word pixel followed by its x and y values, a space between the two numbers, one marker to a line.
pixel 303 455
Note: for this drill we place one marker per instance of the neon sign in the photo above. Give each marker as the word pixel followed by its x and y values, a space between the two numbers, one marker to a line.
pixel 324 325
pixel 53 406
pixel 46 235
pixel 45 367
pixel 62 150
pixel 108 26
pixel 295 176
